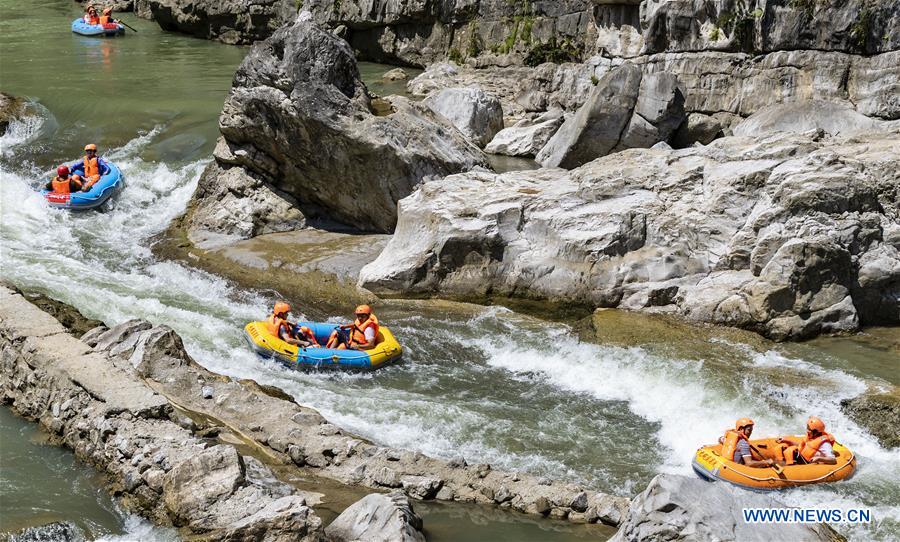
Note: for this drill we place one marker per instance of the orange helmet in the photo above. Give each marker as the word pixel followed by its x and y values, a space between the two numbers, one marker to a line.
pixel 90 147
pixel 815 424
pixel 363 309
pixel 281 307
pixel 107 11
pixel 743 422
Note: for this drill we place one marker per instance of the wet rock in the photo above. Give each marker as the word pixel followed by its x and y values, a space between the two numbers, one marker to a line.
pixel 378 518
pixel 879 413
pixel 397 74
pixel 789 235
pixel 11 108
pixel 67 315
pixel 114 337
pixel 58 531
pixel 298 119
pixel 834 118
pixel 229 21
pixel 688 508
pixel 476 114
pixel 528 136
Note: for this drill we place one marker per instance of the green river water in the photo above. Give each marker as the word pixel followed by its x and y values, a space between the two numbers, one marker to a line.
pixel 488 383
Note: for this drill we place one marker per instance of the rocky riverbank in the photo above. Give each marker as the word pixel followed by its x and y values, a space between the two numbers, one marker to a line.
pixel 207 454
pixel 131 401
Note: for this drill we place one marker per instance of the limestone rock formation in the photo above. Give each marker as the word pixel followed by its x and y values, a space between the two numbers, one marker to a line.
pixel 378 518
pixel 298 132
pixel 228 21
pixel 11 108
pixel 626 110
pixel 687 508
pixel 475 113
pixel 790 235
pixel 834 118
pixel 528 136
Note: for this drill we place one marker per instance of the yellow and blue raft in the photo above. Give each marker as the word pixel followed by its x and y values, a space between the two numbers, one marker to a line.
pixel 387 350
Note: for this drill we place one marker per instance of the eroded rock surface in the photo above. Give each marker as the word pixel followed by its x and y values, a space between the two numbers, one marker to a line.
pixel 228 21
pixel 298 132
pixel 378 518
pixel 791 235
pixel 687 508
pixel 879 413
pixel 475 113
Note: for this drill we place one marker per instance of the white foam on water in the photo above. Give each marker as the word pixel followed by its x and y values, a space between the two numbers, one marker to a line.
pixel 24 130
pixel 138 529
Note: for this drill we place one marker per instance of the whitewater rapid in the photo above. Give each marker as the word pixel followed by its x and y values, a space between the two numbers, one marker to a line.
pixel 483 382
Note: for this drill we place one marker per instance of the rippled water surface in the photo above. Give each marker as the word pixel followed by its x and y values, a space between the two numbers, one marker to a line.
pixel 491 384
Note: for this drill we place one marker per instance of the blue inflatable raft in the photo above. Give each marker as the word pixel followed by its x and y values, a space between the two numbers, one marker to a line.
pixel 102 190
pixel 84 29
pixel 386 351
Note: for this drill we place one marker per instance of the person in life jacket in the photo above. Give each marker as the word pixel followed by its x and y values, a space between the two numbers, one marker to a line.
pixel 736 446
pixel 91 166
pixel 815 447
pixel 64 183
pixel 90 15
pixel 278 325
pixel 362 334
pixel 106 18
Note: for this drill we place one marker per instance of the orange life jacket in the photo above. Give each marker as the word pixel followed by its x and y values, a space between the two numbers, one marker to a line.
pixel 91 19
pixel 105 20
pixel 307 334
pixel 63 186
pixel 92 168
pixel 274 324
pixel 732 438
pixel 809 447
pixel 358 333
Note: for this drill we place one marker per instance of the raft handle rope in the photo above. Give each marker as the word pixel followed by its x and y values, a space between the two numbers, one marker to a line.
pixel 779 479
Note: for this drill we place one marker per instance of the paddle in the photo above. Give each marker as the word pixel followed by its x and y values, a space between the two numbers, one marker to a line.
pixel 776 467
pixel 128 26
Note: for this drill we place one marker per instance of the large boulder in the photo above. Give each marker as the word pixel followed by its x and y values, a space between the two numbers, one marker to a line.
pixel 834 118
pixel 626 110
pixel 284 519
pixel 298 124
pixel 528 136
pixel 192 487
pixel 378 518
pixel 474 112
pixel 11 108
pixel 790 236
pixel 687 508
pixel 228 21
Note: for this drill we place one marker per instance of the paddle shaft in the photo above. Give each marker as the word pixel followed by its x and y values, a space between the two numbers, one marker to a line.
pixel 774 465
pixel 128 26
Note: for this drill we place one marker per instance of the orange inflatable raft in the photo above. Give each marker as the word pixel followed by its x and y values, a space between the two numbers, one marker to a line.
pixel 709 464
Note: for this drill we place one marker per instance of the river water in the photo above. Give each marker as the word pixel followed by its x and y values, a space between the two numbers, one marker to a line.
pixel 496 386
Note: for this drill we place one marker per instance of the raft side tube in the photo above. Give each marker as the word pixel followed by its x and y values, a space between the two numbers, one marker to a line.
pixel 107 186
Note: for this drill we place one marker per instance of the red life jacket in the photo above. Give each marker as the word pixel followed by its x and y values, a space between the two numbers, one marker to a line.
pixel 358 333
pixel 809 447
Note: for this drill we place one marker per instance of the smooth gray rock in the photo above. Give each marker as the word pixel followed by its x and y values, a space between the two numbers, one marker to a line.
pixel 879 413
pixel 697 128
pixel 378 518
pixel 476 114
pixel 287 518
pixel 834 118
pixel 528 136
pixel 194 486
pixel 690 509
pixel 791 235
pixel 299 120
pixel 597 127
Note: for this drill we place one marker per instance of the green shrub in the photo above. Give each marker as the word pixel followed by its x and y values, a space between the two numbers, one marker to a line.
pixel 455 56
pixel 554 52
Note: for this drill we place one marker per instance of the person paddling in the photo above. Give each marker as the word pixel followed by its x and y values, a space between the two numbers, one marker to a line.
pixel 91 166
pixel 106 19
pixel 360 335
pixel 64 183
pixel 736 445
pixel 278 325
